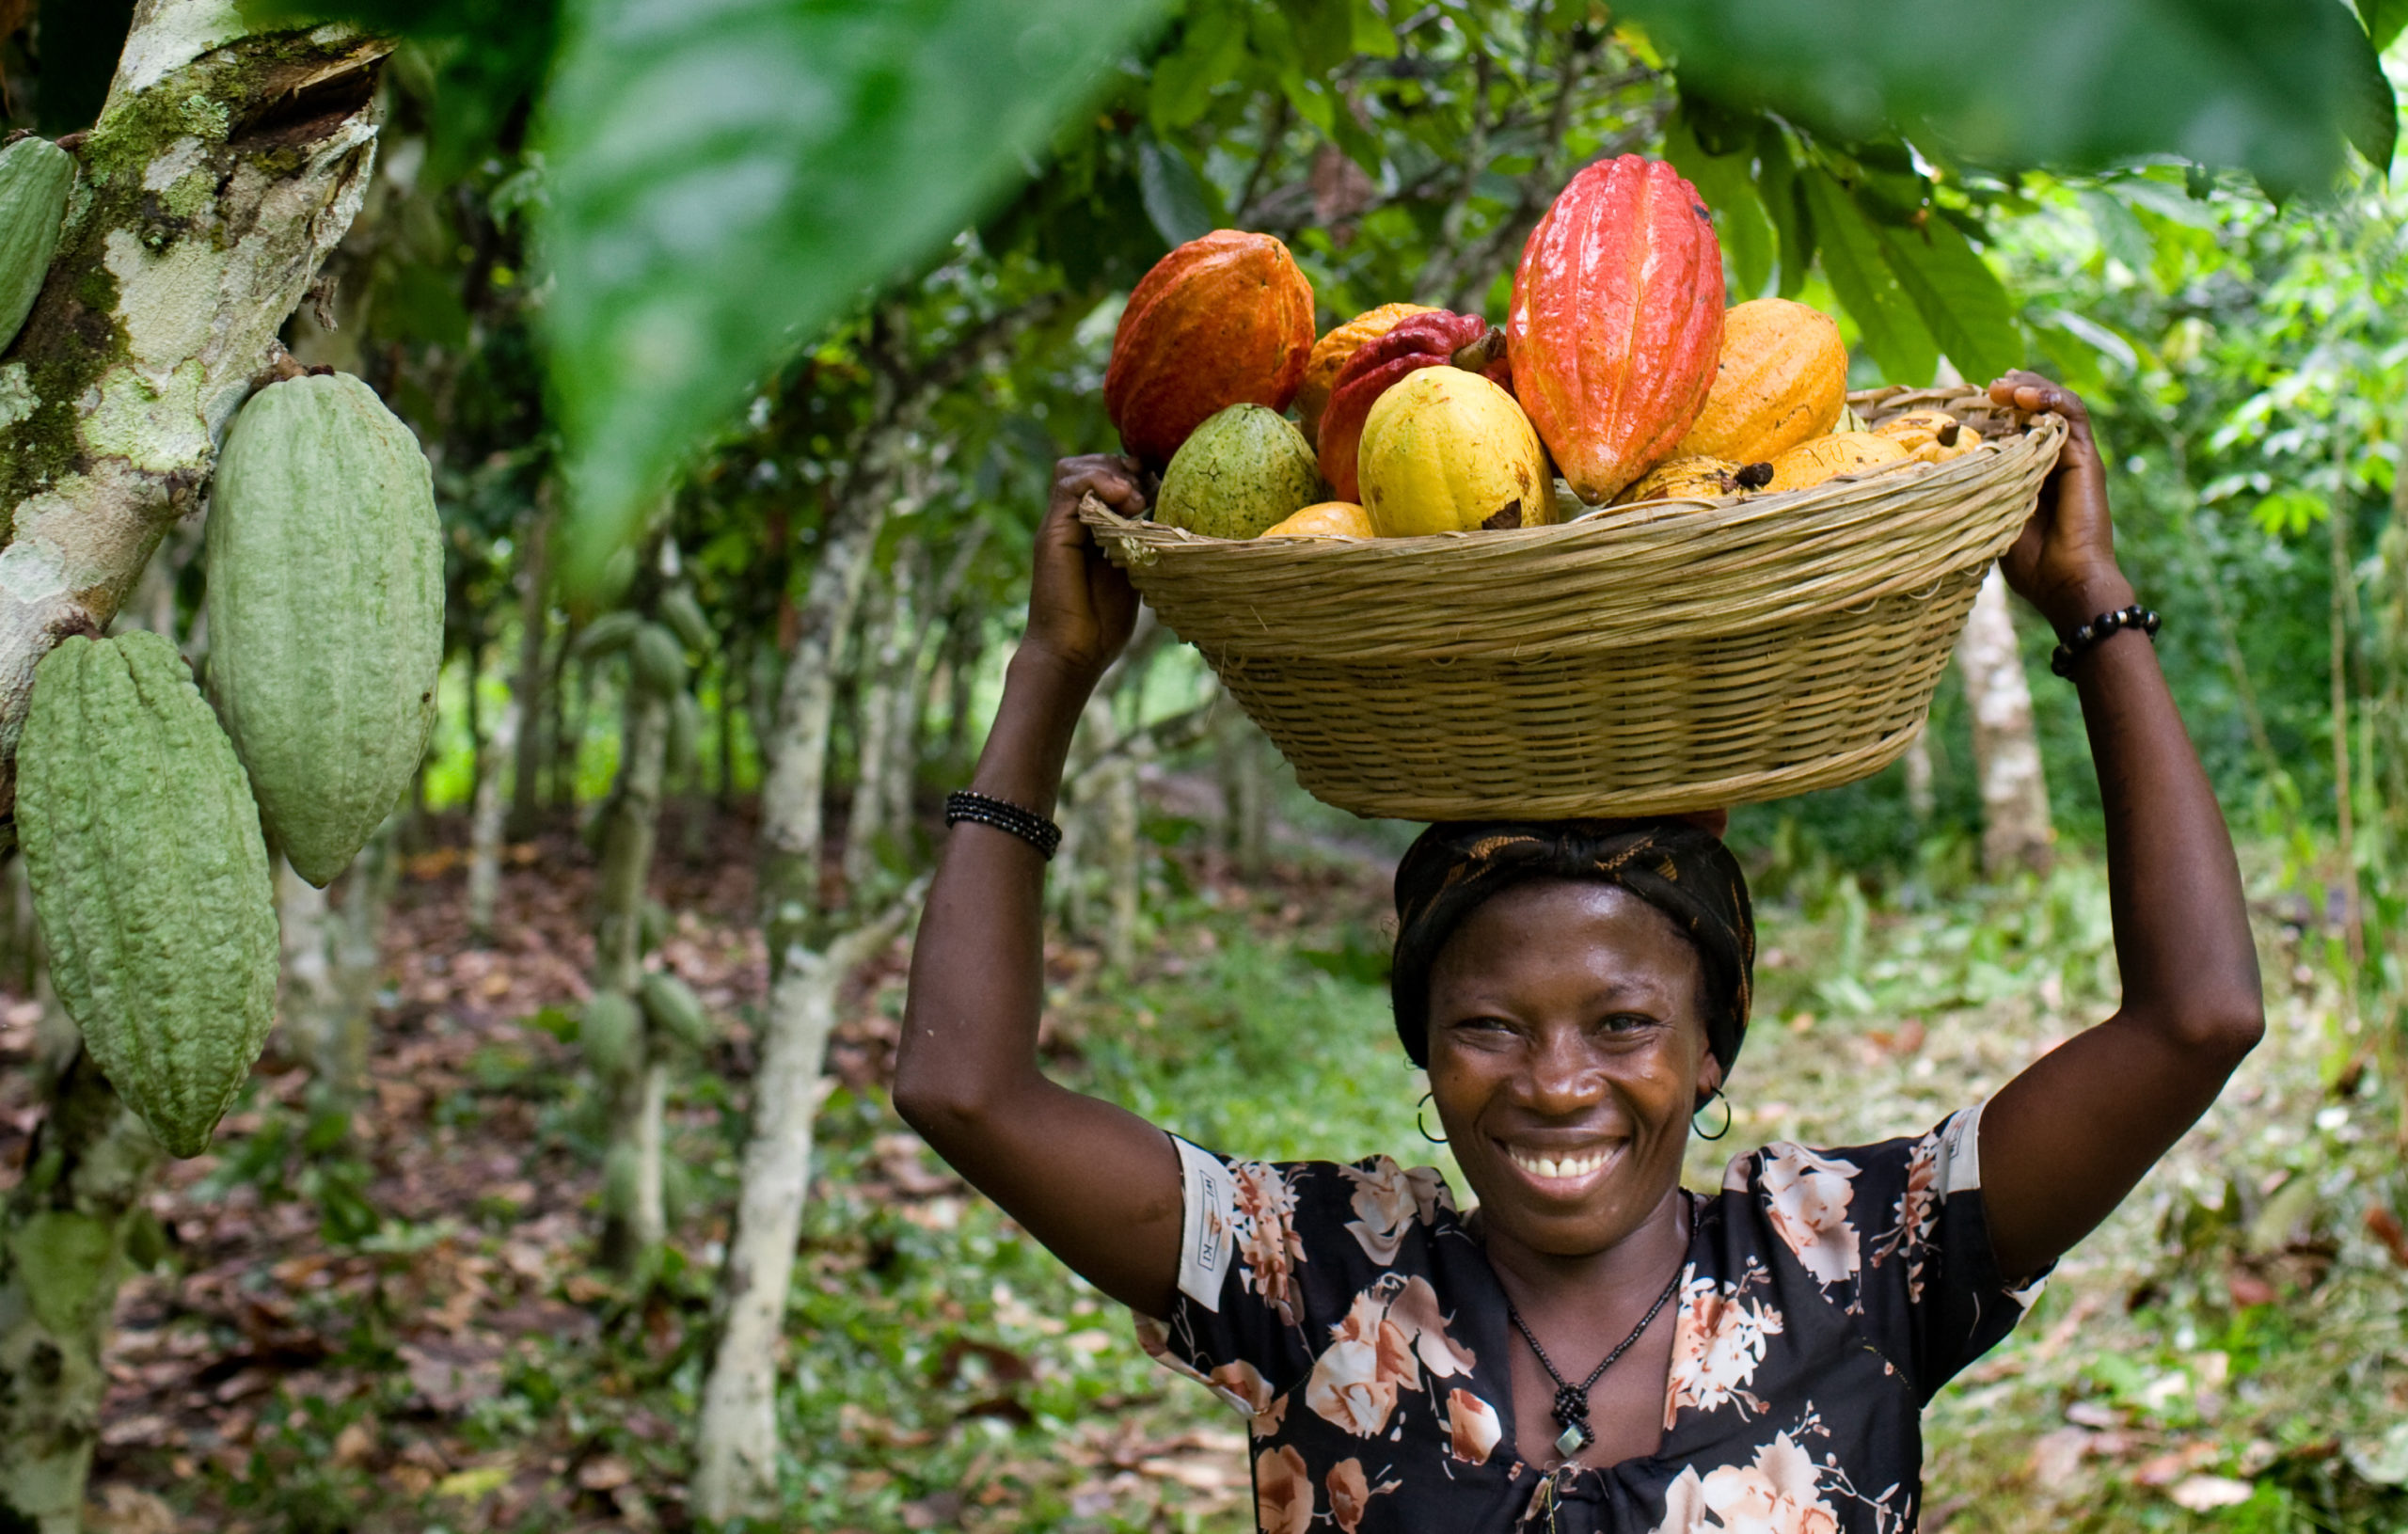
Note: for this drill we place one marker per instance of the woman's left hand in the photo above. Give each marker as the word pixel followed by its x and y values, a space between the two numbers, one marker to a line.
pixel 2064 563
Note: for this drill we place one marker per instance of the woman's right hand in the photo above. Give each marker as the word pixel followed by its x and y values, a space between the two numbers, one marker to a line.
pixel 1081 607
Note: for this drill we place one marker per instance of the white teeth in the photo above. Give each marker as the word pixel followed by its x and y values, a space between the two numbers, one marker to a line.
pixel 1558 1166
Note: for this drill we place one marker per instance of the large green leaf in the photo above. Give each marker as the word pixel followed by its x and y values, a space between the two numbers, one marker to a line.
pixel 2276 88
pixel 2384 18
pixel 727 175
pixel 1729 186
pixel 1885 317
pixel 1961 300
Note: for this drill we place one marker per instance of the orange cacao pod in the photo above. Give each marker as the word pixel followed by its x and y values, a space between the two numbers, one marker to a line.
pixel 1434 339
pixel 1221 321
pixel 1695 478
pixel 1933 436
pixel 1617 322
pixel 1330 352
pixel 1782 378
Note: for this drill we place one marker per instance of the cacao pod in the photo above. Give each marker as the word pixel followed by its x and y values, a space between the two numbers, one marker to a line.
pixel 149 880
pixel 657 659
pixel 608 634
pixel 1932 436
pixel 1330 352
pixel 1325 519
pixel 1434 339
pixel 1823 458
pixel 1221 321
pixel 1696 478
pixel 612 1035
pixel 1238 474
pixel 677 1190
pixel 684 615
pixel 36 175
pixel 673 1008
pixel 1782 377
pixel 653 924
pixel 685 733
pixel 325 612
pixel 1446 451
pixel 1617 322
pixel 622 1182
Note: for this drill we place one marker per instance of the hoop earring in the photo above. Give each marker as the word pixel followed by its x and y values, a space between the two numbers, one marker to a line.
pixel 1726 1116
pixel 1433 1139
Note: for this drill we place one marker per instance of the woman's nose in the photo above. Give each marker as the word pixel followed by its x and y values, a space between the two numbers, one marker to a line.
pixel 1562 1078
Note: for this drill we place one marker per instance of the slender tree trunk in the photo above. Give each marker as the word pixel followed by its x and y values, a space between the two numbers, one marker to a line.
pixel 632 1232
pixel 485 825
pixel 472 664
pixel 2016 832
pixel 734 668
pixel 880 652
pixel 1245 793
pixel 2354 933
pixel 528 693
pixel 1921 801
pixel 566 741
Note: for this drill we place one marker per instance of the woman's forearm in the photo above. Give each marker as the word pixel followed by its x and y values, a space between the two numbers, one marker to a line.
pixel 977 965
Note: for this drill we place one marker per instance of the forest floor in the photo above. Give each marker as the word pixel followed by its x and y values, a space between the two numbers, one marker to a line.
pixel 405 1328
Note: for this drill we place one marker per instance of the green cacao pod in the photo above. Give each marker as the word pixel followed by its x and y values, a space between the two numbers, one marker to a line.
pixel 682 613
pixel 325 612
pixel 608 634
pixel 612 1035
pixel 653 924
pixel 685 733
pixel 659 658
pixel 149 880
pixel 677 1190
pixel 675 1010
pixel 35 178
pixel 622 1176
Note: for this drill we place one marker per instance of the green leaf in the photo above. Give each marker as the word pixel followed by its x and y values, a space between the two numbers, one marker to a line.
pixel 2121 233
pixel 2384 18
pixel 1729 187
pixel 1783 196
pixel 2369 108
pixel 1860 276
pixel 1175 197
pixel 1209 54
pixel 727 178
pixel 2074 82
pixel 1324 32
pixel 1374 37
pixel 1961 300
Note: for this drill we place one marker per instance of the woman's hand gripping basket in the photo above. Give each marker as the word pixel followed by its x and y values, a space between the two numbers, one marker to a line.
pixel 1664 656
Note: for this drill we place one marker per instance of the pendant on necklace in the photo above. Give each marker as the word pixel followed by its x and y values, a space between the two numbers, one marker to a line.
pixel 1571 1410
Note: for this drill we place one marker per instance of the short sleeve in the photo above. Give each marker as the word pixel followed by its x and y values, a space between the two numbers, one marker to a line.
pixel 1895 1234
pixel 1273 1255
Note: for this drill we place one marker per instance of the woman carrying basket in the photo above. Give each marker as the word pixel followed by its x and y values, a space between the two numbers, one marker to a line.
pixel 1594 1348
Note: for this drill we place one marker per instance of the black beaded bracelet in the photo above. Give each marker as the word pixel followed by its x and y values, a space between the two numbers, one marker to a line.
pixel 2088 637
pixel 1030 827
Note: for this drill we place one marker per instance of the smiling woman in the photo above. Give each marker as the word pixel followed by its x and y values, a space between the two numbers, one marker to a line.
pixel 1592 1347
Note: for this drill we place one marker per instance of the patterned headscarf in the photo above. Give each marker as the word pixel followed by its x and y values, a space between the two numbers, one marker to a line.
pixel 1674 866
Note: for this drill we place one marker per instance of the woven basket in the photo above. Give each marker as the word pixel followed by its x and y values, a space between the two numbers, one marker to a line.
pixel 1664 656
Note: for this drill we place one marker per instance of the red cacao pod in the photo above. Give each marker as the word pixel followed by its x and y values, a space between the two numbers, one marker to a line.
pixel 1221 321
pixel 1434 339
pixel 1617 322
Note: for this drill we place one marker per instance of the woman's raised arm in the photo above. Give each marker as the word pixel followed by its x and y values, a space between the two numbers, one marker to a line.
pixel 1097 1184
pixel 2063 1143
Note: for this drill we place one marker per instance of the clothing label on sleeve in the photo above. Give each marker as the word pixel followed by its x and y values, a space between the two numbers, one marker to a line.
pixel 1207 1234
pixel 1956 1167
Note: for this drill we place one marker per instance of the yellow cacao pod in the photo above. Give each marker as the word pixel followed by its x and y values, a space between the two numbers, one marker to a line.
pixel 1931 436
pixel 1697 479
pixel 1827 457
pixel 1446 451
pixel 1325 519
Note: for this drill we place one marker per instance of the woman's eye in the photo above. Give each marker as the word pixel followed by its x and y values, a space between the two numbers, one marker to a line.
pixel 1624 1022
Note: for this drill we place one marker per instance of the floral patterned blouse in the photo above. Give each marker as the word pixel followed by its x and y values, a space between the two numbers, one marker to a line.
pixel 1353 1318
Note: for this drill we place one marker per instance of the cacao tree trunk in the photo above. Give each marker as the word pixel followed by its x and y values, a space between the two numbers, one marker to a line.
pixel 632 1232
pixel 735 1439
pixel 485 823
pixel 1921 801
pixel 527 692
pixel 225 165
pixel 1246 791
pixel 2016 832
pixel 880 648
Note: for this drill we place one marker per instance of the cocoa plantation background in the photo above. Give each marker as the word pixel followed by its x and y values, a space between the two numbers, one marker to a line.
pixel 740 339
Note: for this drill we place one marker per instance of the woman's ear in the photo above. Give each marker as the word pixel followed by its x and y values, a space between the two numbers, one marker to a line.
pixel 1709 1080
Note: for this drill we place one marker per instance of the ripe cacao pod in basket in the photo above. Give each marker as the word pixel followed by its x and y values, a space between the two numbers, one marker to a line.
pixel 1330 352
pixel 1781 379
pixel 1617 322
pixel 1435 339
pixel 325 612
pixel 149 880
pixel 1221 321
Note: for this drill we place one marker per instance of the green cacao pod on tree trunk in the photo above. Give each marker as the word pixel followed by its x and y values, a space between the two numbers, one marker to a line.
pixel 673 1008
pixel 659 658
pixel 149 880
pixel 611 1035
pixel 325 612
pixel 35 178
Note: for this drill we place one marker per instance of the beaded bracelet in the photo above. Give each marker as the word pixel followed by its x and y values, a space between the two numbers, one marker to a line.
pixel 1030 827
pixel 2088 637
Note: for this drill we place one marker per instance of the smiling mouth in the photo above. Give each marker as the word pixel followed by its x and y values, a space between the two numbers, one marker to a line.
pixel 1567 1167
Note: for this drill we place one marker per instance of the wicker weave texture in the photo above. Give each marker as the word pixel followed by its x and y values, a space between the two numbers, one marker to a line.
pixel 1666 657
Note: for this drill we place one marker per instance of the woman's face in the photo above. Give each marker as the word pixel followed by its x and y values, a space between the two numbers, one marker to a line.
pixel 1567 1051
